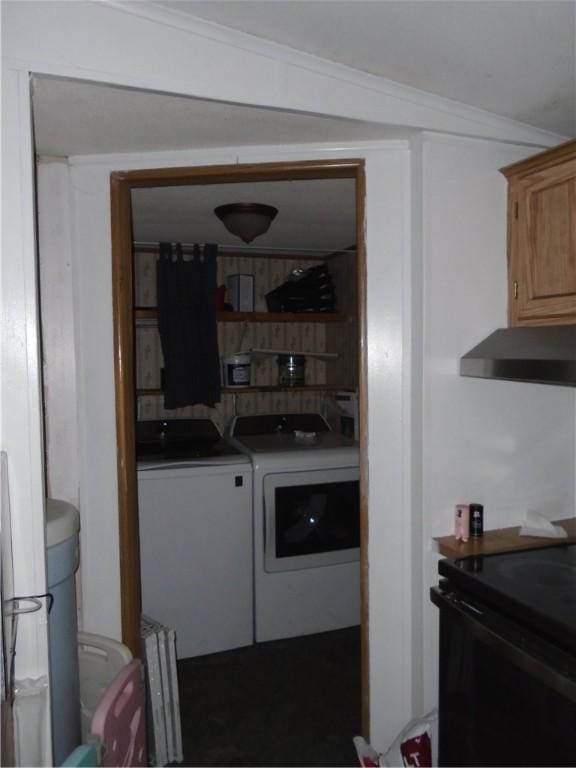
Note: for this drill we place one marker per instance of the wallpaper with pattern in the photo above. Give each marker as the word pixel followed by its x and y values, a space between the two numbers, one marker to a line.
pixel 234 337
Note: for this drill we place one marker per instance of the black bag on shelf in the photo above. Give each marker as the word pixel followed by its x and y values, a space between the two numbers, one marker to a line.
pixel 313 291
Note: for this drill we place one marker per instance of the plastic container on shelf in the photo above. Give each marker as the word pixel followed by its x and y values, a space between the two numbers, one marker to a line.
pixel 100 660
pixel 291 370
pixel 62 528
pixel 236 369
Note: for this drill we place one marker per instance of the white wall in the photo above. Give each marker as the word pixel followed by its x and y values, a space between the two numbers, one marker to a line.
pixel 20 403
pixel 507 445
pixel 58 341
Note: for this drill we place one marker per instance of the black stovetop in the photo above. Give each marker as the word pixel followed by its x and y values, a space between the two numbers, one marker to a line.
pixel 536 587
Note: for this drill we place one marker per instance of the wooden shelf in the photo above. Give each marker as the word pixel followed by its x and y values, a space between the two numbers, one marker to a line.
pixel 146 313
pixel 502 540
pixel 250 390
pixel 151 313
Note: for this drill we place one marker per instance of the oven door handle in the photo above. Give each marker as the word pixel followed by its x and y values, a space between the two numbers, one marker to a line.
pixel 477 622
pixel 264 516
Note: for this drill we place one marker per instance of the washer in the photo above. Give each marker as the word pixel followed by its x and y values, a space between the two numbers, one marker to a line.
pixel 306 524
pixel 195 511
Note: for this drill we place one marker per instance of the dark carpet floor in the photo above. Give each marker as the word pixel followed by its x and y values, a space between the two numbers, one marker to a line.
pixel 285 703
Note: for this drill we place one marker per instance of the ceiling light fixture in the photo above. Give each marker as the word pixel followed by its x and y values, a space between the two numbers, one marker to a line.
pixel 246 220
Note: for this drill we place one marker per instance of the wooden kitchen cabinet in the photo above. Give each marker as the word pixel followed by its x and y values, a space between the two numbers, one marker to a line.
pixel 542 238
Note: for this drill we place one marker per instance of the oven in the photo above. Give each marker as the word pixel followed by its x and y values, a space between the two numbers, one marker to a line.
pixel 311 519
pixel 507 683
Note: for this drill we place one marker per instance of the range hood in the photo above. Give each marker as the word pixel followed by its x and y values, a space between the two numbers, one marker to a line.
pixel 543 355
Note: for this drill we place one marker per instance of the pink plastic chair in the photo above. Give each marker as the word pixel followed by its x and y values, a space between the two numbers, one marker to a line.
pixel 119 719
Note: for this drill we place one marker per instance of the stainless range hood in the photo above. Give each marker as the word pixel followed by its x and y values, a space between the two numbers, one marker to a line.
pixel 543 355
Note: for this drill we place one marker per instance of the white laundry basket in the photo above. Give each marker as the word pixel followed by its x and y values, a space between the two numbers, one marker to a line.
pixel 100 660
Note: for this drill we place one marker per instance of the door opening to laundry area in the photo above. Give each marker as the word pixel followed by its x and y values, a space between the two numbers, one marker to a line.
pixel 147 218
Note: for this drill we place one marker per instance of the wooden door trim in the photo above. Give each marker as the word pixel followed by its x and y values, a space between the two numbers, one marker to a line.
pixel 121 184
pixel 242 173
pixel 361 278
pixel 122 299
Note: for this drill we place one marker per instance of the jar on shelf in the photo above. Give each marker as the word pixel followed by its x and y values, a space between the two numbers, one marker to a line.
pixel 291 370
pixel 236 370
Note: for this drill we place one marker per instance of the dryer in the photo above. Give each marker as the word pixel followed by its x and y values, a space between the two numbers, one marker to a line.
pixel 306 524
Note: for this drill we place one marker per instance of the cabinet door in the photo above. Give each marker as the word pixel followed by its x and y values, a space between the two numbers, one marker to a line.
pixel 542 247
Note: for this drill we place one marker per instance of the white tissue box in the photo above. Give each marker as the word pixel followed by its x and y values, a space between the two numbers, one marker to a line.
pixel 537 525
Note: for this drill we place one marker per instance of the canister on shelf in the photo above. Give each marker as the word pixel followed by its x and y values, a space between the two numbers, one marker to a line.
pixel 476 521
pixel 291 370
pixel 236 370
pixel 462 522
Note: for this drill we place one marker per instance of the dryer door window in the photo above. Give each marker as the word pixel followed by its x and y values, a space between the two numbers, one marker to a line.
pixel 312 519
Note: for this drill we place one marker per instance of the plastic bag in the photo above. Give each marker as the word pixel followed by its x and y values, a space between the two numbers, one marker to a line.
pixel 417 745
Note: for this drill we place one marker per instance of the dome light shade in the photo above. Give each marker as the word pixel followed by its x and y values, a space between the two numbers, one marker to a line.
pixel 246 220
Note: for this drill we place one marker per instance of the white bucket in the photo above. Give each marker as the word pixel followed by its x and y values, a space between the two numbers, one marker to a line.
pixel 236 370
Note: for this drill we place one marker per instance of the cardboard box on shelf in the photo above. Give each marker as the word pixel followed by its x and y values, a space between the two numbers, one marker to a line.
pixel 241 292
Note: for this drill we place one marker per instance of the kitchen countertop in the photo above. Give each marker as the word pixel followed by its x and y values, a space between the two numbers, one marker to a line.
pixel 502 540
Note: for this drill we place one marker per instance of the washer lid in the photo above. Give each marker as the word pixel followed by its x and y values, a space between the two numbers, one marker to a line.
pixel 293 442
pixel 62 521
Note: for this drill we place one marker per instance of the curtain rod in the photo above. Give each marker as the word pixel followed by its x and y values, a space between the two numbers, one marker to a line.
pixel 328 252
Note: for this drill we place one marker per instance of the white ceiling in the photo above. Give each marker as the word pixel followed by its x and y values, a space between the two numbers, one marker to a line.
pixel 79 118
pixel 312 215
pixel 516 58
pixel 73 117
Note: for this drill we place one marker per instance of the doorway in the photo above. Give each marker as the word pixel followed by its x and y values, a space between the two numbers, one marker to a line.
pixel 122 185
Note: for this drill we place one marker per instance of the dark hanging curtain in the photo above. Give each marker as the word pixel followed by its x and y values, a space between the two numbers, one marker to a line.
pixel 187 325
